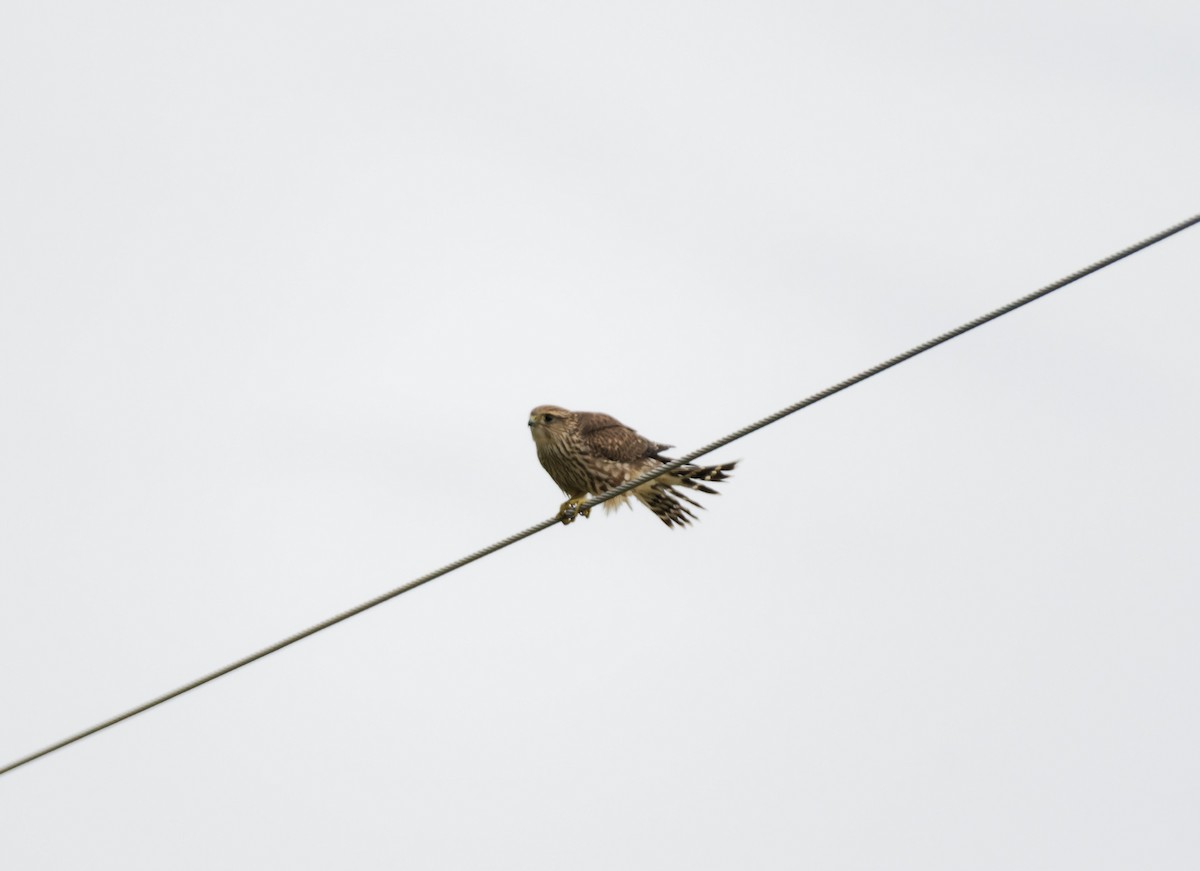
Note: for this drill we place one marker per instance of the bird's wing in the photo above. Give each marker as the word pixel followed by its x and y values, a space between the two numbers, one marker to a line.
pixel 609 438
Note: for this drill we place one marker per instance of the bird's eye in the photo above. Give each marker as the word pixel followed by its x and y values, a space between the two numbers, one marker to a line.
pixel 546 418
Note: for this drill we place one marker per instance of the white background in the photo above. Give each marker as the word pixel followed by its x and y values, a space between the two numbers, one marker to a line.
pixel 280 282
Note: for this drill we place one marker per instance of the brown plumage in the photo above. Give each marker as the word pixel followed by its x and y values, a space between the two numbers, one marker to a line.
pixel 590 453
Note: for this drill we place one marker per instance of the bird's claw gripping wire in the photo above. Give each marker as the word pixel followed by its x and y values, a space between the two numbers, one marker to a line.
pixel 569 510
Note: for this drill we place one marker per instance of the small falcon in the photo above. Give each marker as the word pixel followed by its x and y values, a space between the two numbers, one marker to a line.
pixel 590 453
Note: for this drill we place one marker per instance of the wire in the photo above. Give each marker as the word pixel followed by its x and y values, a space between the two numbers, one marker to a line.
pixel 889 363
pixel 616 491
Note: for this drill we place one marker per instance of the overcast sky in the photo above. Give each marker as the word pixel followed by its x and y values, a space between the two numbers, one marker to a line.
pixel 280 283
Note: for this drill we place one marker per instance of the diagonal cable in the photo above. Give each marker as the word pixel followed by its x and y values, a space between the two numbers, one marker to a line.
pixel 889 363
pixel 616 491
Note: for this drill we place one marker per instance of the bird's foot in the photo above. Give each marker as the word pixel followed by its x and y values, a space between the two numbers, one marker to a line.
pixel 568 511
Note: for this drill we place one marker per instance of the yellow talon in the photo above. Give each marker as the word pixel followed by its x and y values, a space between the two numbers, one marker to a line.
pixel 573 505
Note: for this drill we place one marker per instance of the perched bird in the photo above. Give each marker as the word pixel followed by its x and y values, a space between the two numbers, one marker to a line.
pixel 586 452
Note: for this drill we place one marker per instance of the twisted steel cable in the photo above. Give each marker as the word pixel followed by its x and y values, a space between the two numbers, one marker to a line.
pixel 616 491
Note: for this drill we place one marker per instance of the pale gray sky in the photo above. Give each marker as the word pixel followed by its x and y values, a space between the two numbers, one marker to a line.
pixel 281 282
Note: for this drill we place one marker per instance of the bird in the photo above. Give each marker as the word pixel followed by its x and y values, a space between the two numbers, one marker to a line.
pixel 590 452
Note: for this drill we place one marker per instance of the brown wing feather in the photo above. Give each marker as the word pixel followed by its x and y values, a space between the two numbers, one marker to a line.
pixel 607 437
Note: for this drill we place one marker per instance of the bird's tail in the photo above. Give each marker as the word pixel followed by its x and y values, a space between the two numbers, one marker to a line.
pixel 663 497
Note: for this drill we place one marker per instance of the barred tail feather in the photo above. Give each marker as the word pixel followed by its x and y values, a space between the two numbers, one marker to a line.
pixel 691 476
pixel 662 497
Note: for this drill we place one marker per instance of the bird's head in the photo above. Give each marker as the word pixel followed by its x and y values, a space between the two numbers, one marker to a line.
pixel 549 423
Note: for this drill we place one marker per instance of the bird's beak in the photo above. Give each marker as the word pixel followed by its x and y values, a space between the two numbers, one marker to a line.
pixel 531 421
